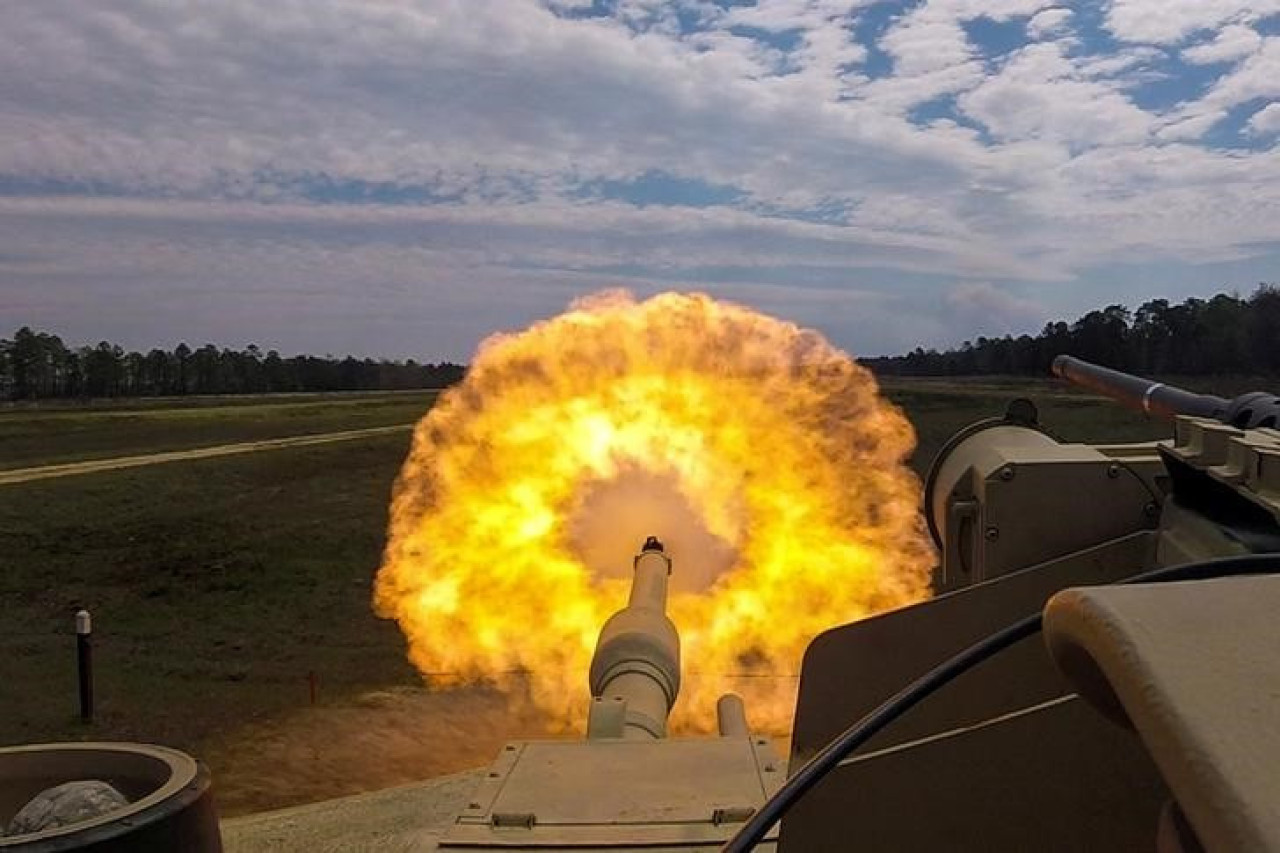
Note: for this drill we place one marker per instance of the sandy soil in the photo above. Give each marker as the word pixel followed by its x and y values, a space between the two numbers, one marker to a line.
pixel 373 741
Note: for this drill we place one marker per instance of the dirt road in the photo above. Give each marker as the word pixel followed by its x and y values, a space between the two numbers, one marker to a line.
pixel 94 466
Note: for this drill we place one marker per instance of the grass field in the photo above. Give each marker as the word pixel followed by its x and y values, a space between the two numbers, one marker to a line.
pixel 62 433
pixel 219 586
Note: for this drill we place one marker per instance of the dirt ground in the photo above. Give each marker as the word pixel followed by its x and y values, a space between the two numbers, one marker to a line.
pixel 373 740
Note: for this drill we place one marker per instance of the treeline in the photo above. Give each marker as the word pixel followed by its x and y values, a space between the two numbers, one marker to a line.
pixel 1223 335
pixel 36 365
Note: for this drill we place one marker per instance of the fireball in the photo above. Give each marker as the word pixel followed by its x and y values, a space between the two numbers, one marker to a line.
pixel 762 456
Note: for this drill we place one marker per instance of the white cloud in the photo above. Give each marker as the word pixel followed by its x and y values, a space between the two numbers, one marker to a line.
pixel 1048 22
pixel 782 15
pixel 1040 93
pixel 1125 60
pixel 1171 21
pixel 1266 121
pixel 932 56
pixel 431 281
pixel 1190 126
pixel 982 306
pixel 1229 45
pixel 927 41
pixel 253 146
pixel 1256 77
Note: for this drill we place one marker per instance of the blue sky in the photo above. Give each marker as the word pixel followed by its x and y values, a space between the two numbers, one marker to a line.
pixel 405 177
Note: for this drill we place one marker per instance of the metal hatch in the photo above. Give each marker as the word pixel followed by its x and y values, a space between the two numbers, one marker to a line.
pixel 618 793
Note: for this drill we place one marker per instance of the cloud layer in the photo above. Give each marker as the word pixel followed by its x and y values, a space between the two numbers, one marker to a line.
pixel 403 177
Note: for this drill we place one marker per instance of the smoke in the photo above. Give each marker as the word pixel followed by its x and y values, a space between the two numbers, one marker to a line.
pixel 614 517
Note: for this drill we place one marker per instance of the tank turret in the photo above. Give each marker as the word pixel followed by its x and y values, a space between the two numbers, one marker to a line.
pixel 1008 751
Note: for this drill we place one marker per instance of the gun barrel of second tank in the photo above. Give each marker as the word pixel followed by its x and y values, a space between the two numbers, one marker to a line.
pixel 1154 398
pixel 635 672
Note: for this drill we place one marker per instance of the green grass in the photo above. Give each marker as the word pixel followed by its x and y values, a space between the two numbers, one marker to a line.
pixel 218 585
pixel 44 436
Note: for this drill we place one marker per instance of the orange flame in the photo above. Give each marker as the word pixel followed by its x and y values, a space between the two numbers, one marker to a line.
pixel 760 454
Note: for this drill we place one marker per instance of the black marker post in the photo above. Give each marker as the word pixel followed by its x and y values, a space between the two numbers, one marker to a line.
pixel 84 661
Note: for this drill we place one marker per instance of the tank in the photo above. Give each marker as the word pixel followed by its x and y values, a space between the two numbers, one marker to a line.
pixel 1096 671
pixel 1131 721
pixel 626 784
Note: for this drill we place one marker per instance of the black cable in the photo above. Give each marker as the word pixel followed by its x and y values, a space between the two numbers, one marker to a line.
pixel 759 824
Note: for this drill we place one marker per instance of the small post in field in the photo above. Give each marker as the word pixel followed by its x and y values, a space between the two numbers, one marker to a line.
pixel 84 662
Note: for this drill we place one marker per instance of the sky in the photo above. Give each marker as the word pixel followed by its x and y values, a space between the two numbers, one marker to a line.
pixel 401 178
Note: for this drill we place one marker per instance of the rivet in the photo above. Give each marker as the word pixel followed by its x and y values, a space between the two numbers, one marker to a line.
pixel 1113 470
pixel 1006 473
pixel 993 533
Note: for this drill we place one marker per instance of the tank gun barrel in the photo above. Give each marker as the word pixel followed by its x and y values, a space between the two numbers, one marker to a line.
pixel 1154 398
pixel 635 672
pixel 1248 411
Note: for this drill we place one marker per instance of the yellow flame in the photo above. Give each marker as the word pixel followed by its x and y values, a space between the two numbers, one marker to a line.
pixel 760 454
